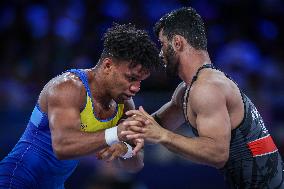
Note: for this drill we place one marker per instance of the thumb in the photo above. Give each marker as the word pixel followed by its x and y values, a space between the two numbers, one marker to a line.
pixel 141 109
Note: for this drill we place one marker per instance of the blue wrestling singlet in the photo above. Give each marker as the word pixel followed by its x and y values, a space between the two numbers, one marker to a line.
pixel 32 164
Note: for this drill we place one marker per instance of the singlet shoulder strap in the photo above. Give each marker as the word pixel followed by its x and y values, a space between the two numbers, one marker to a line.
pixel 83 77
pixel 186 93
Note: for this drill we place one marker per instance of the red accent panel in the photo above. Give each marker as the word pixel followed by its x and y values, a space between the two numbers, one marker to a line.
pixel 262 146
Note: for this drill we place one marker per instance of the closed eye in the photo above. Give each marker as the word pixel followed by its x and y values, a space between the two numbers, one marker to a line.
pixel 131 78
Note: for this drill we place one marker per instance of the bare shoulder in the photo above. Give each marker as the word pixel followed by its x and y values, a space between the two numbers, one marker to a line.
pixel 208 93
pixel 65 89
pixel 65 82
pixel 178 94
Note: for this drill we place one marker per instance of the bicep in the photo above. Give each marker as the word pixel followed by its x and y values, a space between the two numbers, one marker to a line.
pixel 215 125
pixel 212 117
pixel 61 117
pixel 63 110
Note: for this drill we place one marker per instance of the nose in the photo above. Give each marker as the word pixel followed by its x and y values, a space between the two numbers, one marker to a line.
pixel 135 87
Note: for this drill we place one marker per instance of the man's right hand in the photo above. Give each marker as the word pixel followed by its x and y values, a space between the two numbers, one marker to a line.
pixel 124 127
pixel 151 131
pixel 138 142
pixel 112 152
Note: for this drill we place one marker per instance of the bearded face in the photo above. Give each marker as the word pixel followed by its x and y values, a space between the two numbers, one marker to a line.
pixel 171 61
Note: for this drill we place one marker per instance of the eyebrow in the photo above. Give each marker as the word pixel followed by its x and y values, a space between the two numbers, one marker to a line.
pixel 136 76
pixel 132 75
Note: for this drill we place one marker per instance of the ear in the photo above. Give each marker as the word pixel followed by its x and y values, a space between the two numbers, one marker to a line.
pixel 178 42
pixel 107 65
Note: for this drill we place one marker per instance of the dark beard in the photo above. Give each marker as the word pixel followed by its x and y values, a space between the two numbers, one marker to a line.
pixel 172 62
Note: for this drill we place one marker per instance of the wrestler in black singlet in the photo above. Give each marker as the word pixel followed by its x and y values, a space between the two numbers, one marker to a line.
pixel 254 160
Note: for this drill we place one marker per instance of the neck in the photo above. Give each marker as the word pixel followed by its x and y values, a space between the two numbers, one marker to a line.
pixel 98 89
pixel 190 61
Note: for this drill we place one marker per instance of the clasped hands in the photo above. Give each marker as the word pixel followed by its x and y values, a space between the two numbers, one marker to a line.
pixel 139 126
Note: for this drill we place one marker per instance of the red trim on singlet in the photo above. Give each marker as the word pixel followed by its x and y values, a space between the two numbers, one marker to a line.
pixel 262 146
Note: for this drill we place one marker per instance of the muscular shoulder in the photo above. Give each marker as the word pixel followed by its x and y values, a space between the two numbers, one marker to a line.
pixel 65 89
pixel 208 93
pixel 64 84
pixel 179 94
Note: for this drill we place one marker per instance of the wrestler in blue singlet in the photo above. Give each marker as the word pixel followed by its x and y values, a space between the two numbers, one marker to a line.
pixel 32 162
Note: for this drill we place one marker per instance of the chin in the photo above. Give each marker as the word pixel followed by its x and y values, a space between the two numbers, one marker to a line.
pixel 119 100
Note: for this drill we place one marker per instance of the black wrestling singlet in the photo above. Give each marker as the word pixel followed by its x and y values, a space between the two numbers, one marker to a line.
pixel 254 161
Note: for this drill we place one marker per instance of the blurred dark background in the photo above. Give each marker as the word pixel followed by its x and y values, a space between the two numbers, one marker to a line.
pixel 40 39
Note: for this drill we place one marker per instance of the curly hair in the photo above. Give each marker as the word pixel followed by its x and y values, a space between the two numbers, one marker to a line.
pixel 185 22
pixel 125 42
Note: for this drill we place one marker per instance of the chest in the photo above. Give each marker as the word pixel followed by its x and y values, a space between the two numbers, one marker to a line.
pixel 103 113
pixel 95 118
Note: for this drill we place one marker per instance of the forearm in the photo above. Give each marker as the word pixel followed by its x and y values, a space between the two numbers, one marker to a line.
pixel 169 117
pixel 198 149
pixel 133 164
pixel 74 144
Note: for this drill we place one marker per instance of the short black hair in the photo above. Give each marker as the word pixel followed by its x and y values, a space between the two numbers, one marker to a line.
pixel 185 22
pixel 125 42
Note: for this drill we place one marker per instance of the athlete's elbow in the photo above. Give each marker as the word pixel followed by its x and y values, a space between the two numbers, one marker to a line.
pixel 59 150
pixel 221 159
pixel 220 164
pixel 59 153
pixel 60 156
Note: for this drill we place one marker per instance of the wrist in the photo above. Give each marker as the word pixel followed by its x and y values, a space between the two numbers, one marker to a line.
pixel 111 136
pixel 164 137
pixel 119 130
pixel 129 152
